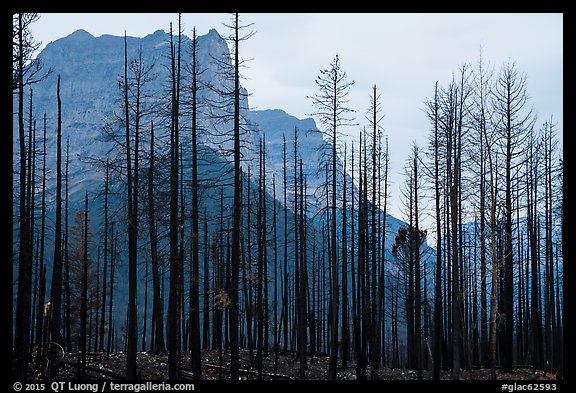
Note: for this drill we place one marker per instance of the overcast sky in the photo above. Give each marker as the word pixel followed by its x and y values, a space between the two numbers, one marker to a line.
pixel 403 54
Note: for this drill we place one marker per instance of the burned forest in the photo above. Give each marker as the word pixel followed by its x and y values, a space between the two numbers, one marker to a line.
pixel 164 229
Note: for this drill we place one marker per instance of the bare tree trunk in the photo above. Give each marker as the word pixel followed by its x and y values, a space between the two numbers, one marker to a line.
pixel 410 310
pixel 260 268
pixel 355 327
pixel 105 274
pixel 30 214
pixel 551 307
pixel 285 281
pixel 248 281
pixel 174 371
pixel 303 284
pixel 24 259
pixel 417 301
pixel 266 316
pixel 274 223
pixel 158 345
pixel 508 295
pixel 237 207
pixel 56 289
pixel 84 294
pixel 195 354
pixel 66 261
pixel 374 325
pixel 206 286
pixel 345 323
pixel 145 318
pixel 132 239
pixel 495 267
pixel 438 328
pixel 112 270
pixel 42 284
pixel 453 173
pixel 533 234
pixel 381 301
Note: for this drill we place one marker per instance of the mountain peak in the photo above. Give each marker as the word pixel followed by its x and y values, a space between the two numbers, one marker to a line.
pixel 213 32
pixel 80 34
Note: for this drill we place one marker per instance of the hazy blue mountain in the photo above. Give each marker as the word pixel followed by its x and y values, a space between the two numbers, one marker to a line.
pixel 90 68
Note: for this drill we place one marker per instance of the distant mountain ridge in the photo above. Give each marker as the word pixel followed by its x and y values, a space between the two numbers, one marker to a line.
pixel 89 68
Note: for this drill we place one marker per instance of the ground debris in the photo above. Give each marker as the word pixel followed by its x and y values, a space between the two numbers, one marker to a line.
pixel 216 366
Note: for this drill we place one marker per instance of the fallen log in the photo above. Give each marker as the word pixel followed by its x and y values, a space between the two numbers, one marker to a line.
pixel 251 372
pixel 110 374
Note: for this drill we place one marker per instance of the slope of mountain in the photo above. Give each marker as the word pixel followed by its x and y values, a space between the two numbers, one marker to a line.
pixel 314 151
pixel 90 69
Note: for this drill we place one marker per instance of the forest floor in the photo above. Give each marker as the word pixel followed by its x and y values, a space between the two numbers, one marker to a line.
pixel 100 366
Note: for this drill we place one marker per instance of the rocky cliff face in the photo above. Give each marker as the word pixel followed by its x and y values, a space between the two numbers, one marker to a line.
pixel 91 68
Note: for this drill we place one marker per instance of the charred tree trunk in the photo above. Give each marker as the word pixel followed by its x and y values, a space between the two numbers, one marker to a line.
pixel 84 293
pixel 22 337
pixel 345 323
pixel 438 318
pixel 417 298
pixel 105 273
pixel 174 371
pixel 158 345
pixel 132 239
pixel 195 355
pixel 237 208
pixel 56 289
pixel 112 270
